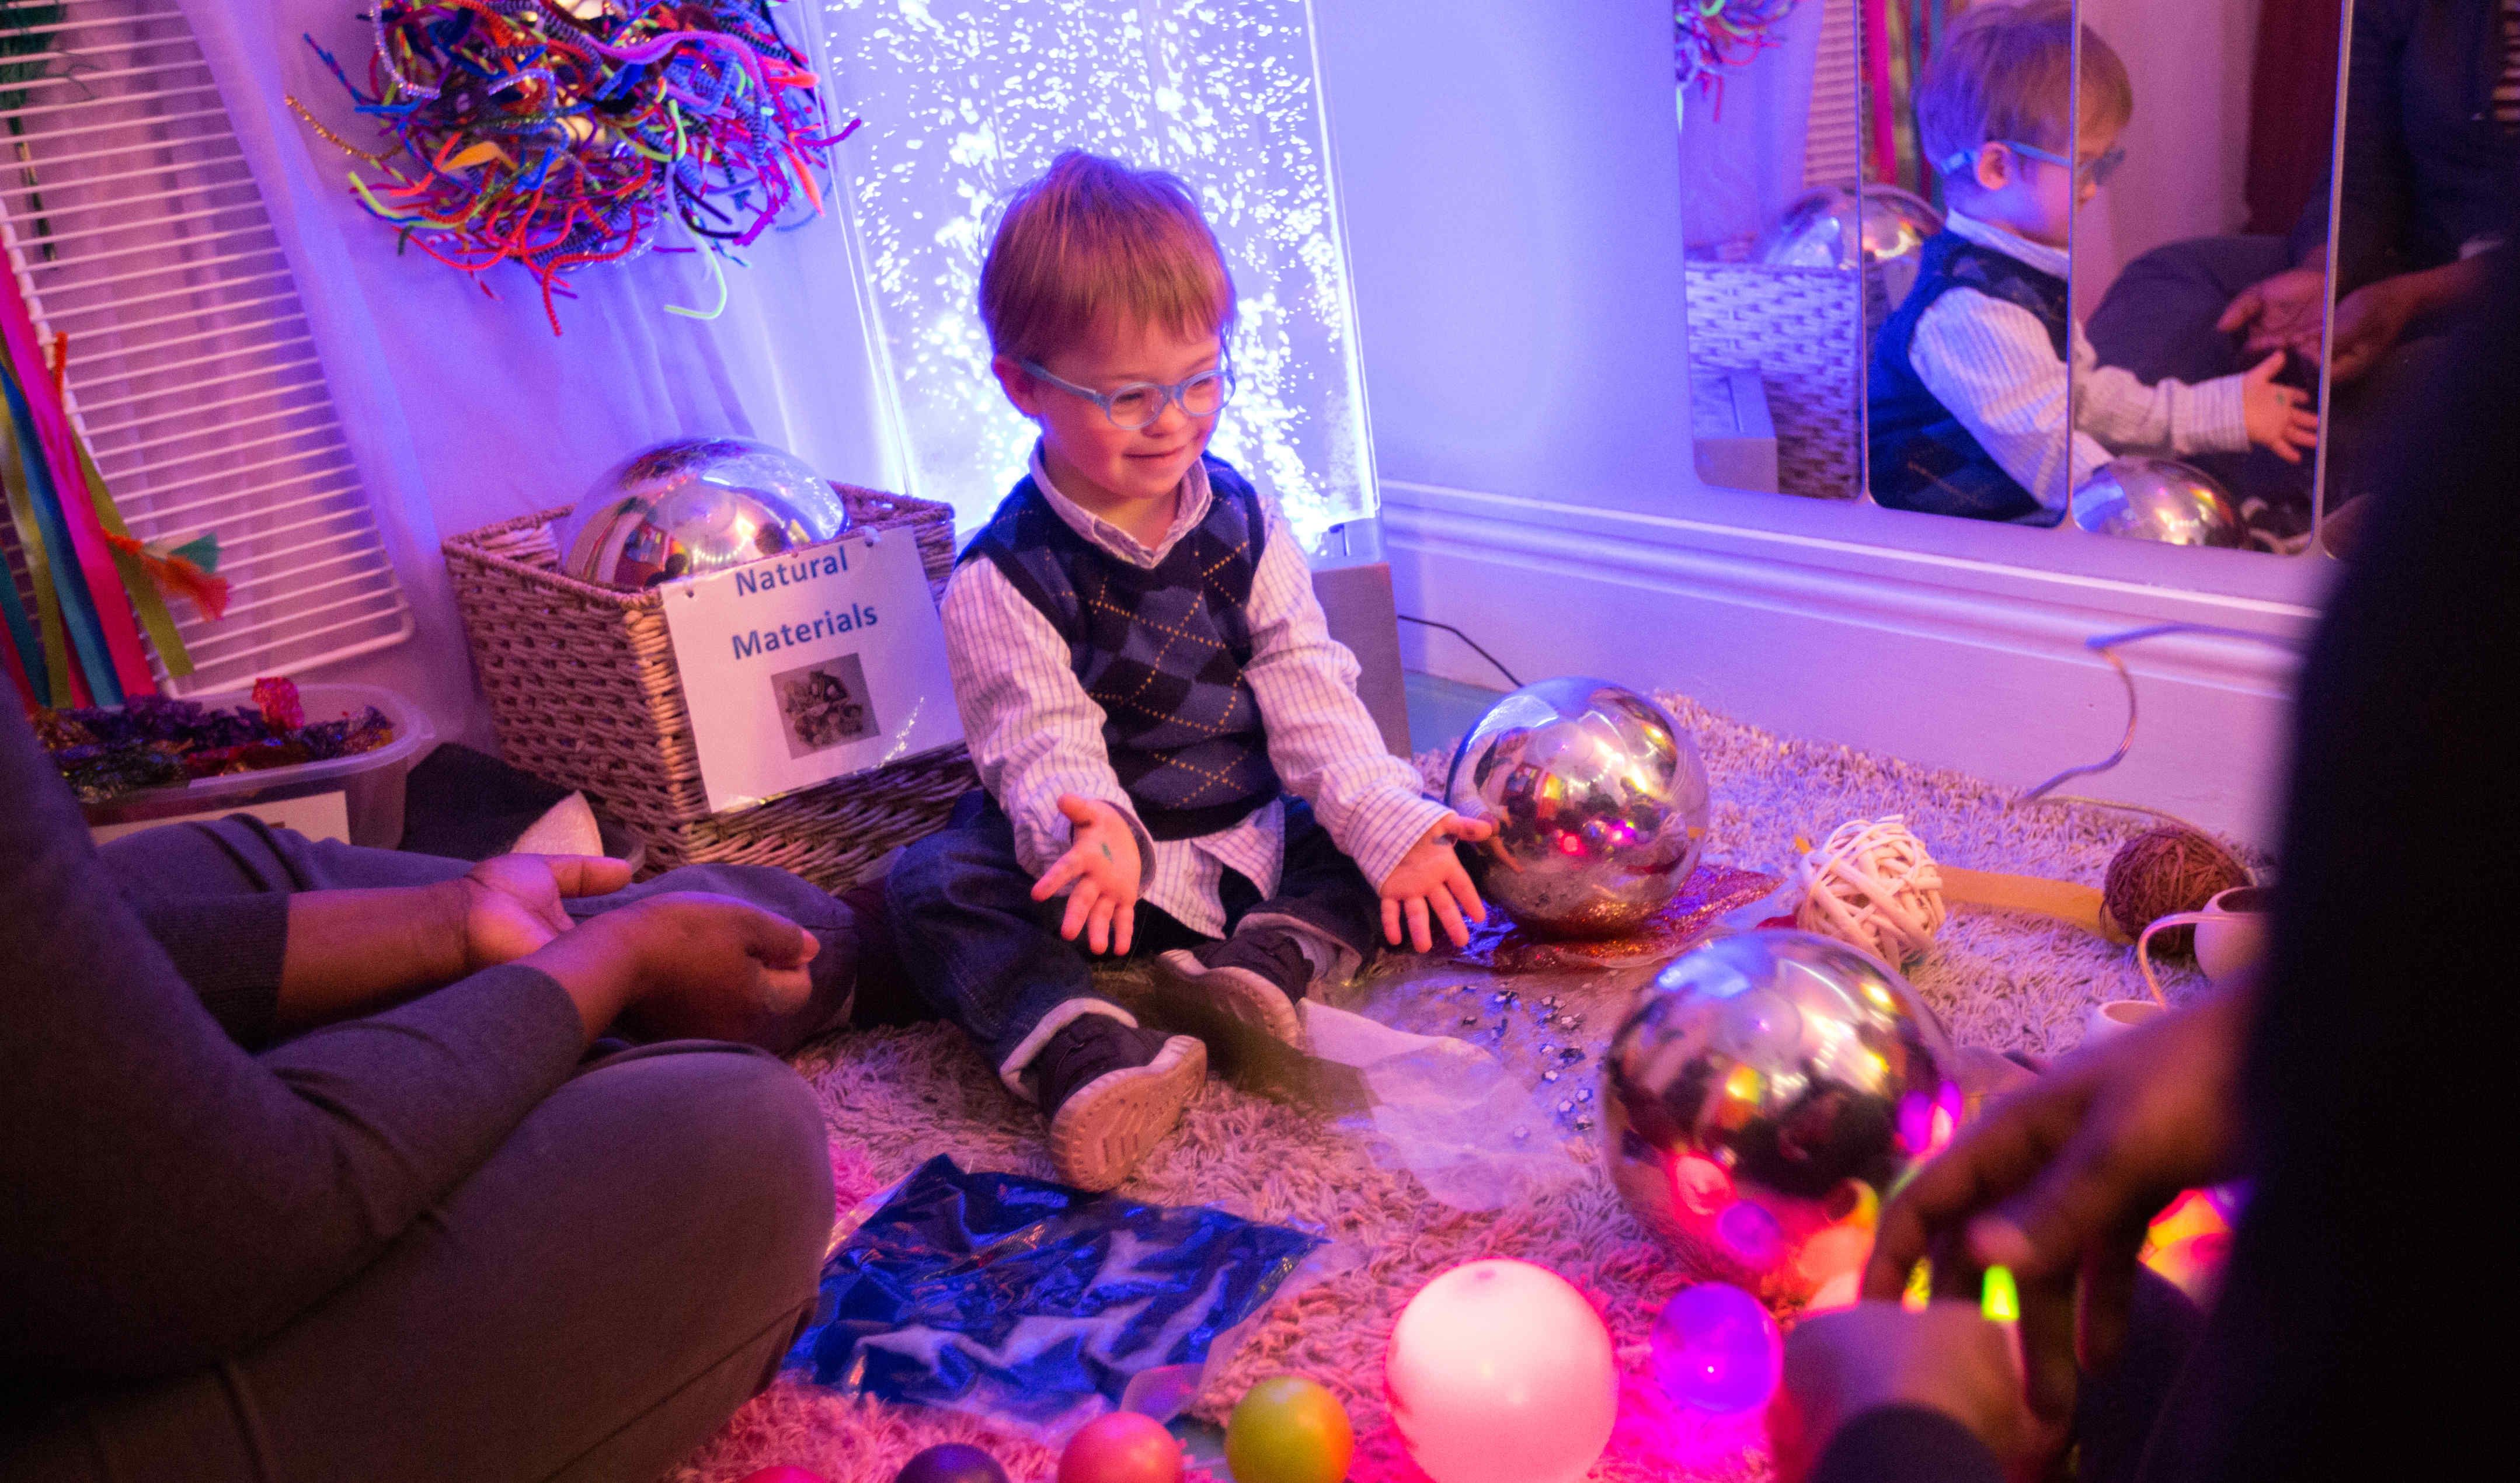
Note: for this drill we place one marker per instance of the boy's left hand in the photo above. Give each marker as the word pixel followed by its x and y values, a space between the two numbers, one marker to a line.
pixel 2281 419
pixel 1430 880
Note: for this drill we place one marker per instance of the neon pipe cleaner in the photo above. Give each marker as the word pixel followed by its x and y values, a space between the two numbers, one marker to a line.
pixel 54 680
pixel 515 131
pixel 47 442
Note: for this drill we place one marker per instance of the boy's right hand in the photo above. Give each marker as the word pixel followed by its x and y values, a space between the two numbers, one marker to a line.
pixel 2279 418
pixel 1102 863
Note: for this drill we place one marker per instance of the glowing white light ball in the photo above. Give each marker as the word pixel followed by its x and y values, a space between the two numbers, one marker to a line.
pixel 1500 1372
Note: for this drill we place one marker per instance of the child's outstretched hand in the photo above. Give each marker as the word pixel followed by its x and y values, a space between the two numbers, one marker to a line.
pixel 1429 879
pixel 1101 861
pixel 2279 418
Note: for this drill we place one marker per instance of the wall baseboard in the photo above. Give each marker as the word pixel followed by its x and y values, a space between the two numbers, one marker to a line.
pixel 1940 660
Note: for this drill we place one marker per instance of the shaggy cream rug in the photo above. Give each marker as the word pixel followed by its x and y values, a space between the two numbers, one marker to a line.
pixel 896 1098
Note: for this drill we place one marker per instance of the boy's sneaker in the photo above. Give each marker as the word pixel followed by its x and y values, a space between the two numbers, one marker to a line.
pixel 1113 1092
pixel 1255 977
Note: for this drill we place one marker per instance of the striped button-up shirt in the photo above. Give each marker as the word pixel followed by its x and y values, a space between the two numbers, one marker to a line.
pixel 1993 365
pixel 1035 734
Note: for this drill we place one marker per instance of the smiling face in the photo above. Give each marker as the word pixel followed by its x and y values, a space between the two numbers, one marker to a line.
pixel 2032 197
pixel 1127 476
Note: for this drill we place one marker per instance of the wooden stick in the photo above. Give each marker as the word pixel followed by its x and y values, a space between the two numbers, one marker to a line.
pixel 2062 900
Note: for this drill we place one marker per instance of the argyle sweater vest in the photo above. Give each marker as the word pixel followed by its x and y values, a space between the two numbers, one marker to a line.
pixel 1922 457
pixel 1161 650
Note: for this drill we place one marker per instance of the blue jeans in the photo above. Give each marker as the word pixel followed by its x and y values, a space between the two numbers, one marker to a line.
pixel 983 954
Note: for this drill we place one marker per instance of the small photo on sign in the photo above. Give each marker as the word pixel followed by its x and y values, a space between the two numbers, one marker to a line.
pixel 823 705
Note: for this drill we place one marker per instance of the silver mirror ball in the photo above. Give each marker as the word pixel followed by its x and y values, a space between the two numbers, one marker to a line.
pixel 693 506
pixel 2157 499
pixel 1757 1077
pixel 1600 800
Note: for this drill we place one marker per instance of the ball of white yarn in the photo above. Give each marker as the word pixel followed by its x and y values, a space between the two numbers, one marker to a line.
pixel 1873 885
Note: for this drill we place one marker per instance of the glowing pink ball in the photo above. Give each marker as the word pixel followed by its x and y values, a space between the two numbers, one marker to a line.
pixel 1500 1371
pixel 1715 1347
pixel 1123 1447
pixel 784 1473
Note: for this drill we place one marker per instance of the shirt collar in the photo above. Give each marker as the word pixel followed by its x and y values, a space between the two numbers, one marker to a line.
pixel 1187 512
pixel 2052 261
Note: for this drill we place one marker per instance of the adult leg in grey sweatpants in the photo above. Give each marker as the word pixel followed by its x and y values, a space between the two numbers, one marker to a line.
pixel 592 1303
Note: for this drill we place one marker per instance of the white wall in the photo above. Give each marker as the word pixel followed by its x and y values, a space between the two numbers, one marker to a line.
pixel 2188 147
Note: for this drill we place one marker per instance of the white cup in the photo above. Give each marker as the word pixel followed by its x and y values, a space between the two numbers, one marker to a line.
pixel 2232 932
pixel 2116 1018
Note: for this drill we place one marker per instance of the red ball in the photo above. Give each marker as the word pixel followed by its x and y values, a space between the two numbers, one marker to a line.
pixel 783 1473
pixel 1123 1447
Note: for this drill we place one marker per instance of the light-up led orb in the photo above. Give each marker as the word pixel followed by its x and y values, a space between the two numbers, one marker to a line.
pixel 1716 1348
pixel 1600 802
pixel 1287 1430
pixel 1123 1447
pixel 1764 1090
pixel 1499 1372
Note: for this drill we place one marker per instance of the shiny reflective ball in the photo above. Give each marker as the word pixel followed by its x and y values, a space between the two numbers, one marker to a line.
pixel 2157 499
pixel 693 506
pixel 1600 800
pixel 1761 1083
pixel 1881 231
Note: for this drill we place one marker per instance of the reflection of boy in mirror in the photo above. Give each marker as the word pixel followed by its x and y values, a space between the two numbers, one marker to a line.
pixel 1968 410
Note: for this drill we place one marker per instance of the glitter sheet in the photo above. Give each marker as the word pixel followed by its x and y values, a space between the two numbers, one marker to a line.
pixel 1708 893
pixel 965 100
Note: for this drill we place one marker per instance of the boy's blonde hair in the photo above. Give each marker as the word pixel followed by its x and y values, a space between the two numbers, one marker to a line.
pixel 2005 72
pixel 1093 242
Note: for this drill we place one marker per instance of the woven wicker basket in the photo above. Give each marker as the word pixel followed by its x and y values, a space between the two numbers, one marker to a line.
pixel 584 692
pixel 1801 328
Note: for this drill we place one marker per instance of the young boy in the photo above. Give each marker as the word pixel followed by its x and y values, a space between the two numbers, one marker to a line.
pixel 1144 675
pixel 1969 397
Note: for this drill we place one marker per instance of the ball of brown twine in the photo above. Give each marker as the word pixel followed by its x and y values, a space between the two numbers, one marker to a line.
pixel 2164 871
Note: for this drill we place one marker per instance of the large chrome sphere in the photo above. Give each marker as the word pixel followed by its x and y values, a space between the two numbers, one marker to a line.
pixel 1881 230
pixel 2157 499
pixel 1600 802
pixel 1757 1077
pixel 693 506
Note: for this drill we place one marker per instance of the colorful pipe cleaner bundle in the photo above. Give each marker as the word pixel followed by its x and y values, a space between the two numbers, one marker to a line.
pixel 1720 36
pixel 552 134
pixel 72 633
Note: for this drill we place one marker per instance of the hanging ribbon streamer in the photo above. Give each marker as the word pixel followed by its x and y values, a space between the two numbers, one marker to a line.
pixel 516 131
pixel 51 682
pixel 94 679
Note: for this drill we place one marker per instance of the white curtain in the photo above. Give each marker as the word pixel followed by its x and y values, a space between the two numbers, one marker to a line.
pixel 463 410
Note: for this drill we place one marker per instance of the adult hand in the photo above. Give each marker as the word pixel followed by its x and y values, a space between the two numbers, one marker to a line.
pixel 2284 312
pixel 1429 882
pixel 687 965
pixel 2059 1179
pixel 1945 1357
pixel 2279 418
pixel 1102 863
pixel 2368 324
pixel 512 903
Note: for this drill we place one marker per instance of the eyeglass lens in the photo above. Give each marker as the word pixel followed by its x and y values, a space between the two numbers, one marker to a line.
pixel 1134 407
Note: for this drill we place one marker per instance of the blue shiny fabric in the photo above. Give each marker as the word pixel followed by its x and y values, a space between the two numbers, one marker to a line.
pixel 1025 1300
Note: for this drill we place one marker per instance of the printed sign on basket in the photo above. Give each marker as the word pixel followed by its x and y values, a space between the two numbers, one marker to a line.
pixel 811 666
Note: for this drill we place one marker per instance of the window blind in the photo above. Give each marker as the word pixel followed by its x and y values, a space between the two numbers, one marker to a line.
pixel 136 232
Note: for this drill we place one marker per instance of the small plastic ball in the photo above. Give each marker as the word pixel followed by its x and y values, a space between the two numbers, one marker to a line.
pixel 953 1462
pixel 1715 1347
pixel 784 1473
pixel 1500 1371
pixel 1123 1447
pixel 1287 1430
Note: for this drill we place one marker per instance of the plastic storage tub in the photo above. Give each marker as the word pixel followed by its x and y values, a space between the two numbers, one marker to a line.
pixel 370 783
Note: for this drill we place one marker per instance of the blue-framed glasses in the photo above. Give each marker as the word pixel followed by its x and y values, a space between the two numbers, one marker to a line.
pixel 1138 403
pixel 2095 171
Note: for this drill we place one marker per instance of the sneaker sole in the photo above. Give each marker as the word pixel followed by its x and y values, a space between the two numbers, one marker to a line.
pixel 1111 1122
pixel 1248 997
